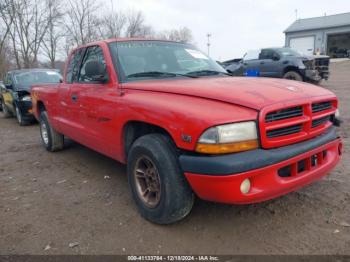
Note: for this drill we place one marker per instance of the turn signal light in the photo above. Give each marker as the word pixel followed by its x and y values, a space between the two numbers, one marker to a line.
pixel 227 147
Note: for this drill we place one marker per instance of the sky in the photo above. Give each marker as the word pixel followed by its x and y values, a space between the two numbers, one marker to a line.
pixel 235 25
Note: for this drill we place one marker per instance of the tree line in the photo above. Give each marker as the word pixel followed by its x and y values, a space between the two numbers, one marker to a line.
pixel 36 33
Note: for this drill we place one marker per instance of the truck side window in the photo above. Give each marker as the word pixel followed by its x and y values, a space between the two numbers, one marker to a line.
pixel 252 55
pixel 73 66
pixel 266 54
pixel 93 53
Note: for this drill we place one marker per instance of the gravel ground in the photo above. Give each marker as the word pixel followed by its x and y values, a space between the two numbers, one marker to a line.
pixel 77 202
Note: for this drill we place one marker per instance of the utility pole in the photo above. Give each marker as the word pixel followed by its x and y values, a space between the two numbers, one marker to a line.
pixel 296 14
pixel 208 43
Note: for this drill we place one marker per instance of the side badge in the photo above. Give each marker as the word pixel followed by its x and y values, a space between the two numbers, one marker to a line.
pixel 186 138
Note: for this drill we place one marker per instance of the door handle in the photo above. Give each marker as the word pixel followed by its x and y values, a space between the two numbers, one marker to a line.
pixel 74 98
pixel 261 63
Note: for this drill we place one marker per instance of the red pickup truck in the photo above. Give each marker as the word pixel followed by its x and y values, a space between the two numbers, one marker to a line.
pixel 184 127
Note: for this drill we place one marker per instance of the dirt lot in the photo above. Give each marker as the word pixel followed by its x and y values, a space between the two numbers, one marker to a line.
pixel 49 200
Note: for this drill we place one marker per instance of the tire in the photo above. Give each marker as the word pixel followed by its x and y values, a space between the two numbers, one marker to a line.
pixel 292 75
pixel 175 198
pixel 5 111
pixel 51 139
pixel 19 117
pixel 317 82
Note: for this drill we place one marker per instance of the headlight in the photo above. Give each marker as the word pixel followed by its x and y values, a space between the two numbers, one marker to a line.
pixel 228 138
pixel 26 98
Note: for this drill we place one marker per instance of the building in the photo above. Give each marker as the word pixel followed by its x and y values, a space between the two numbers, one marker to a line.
pixel 327 35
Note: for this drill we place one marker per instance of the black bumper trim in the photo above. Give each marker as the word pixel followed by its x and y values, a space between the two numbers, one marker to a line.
pixel 250 160
pixel 24 107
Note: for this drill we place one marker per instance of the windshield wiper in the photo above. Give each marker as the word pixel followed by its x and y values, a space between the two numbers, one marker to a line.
pixel 158 74
pixel 207 73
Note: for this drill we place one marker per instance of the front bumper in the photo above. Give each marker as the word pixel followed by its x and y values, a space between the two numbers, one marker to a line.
pixel 219 178
pixel 26 109
pixel 312 75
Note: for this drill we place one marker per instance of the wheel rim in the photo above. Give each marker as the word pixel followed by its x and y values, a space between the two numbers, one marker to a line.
pixel 291 77
pixel 44 133
pixel 147 181
pixel 18 114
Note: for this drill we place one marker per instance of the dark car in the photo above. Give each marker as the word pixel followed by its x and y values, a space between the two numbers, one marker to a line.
pixel 15 96
pixel 282 63
pixel 2 87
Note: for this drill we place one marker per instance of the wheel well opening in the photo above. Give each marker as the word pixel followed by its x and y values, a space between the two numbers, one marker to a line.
pixel 290 68
pixel 41 107
pixel 135 129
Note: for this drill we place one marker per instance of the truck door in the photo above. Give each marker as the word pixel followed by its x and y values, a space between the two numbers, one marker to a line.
pixel 68 118
pixel 251 63
pixel 269 63
pixel 95 100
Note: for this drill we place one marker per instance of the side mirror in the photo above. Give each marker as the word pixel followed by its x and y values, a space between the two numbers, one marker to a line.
pixel 275 57
pixel 96 71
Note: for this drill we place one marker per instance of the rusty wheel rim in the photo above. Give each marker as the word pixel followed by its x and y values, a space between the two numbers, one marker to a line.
pixel 147 181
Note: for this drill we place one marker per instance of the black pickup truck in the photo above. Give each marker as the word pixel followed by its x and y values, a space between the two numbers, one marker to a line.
pixel 281 63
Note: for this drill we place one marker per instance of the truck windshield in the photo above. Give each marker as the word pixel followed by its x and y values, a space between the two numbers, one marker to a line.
pixel 28 78
pixel 140 60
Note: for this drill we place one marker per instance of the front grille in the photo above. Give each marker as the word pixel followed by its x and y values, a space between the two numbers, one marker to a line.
pixel 284 114
pixel 320 121
pixel 284 131
pixel 296 123
pixel 318 107
pixel 322 61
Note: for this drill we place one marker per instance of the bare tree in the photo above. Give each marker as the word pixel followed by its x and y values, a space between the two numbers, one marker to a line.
pixel 112 25
pixel 5 59
pixel 6 22
pixel 81 22
pixel 8 13
pixel 32 27
pixel 136 25
pixel 28 25
pixel 54 32
pixel 182 34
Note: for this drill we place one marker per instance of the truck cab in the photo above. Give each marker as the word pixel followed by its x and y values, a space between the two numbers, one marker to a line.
pixel 185 127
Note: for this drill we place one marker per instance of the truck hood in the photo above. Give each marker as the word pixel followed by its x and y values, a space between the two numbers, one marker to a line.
pixel 254 93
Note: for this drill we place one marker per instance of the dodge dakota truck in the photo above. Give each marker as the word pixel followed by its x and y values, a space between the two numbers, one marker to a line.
pixel 186 128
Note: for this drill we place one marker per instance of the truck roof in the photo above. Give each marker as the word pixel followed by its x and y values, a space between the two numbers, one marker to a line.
pixel 32 70
pixel 125 39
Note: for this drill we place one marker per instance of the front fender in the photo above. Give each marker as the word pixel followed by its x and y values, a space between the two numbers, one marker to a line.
pixel 184 117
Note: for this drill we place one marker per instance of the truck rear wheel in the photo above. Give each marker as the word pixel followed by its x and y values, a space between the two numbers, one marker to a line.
pixel 52 140
pixel 292 75
pixel 158 186
pixel 5 111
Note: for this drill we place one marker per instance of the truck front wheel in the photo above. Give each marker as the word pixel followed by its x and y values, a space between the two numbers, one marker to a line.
pixel 52 140
pixel 292 75
pixel 19 117
pixel 158 186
